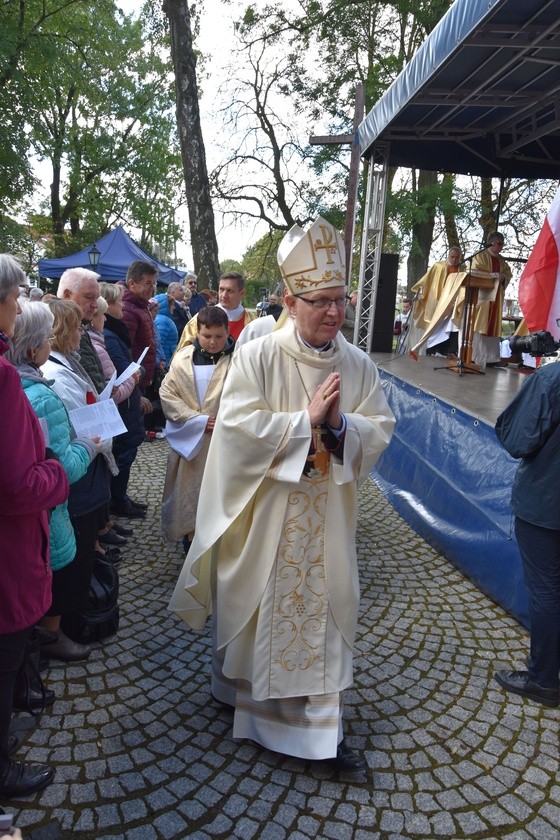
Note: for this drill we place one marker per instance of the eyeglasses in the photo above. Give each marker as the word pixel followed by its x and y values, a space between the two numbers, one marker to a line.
pixel 149 284
pixel 325 303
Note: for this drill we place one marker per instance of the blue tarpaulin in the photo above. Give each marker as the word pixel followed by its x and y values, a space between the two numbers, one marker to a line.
pixel 449 478
pixel 117 252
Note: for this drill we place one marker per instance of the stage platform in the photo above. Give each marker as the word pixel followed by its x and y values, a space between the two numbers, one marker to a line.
pixel 446 473
pixel 484 396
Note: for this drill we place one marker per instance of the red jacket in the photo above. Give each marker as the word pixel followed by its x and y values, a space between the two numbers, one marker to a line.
pixel 141 331
pixel 29 485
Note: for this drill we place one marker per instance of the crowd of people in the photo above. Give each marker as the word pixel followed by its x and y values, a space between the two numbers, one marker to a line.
pixel 271 424
pixel 65 499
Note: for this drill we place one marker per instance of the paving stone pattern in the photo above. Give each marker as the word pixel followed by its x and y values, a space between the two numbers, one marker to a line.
pixel 142 751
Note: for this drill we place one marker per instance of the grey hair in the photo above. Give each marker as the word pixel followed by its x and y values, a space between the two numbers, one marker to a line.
pixel 172 286
pixel 33 326
pixel 102 306
pixel 74 278
pixel 35 293
pixel 494 237
pixel 111 291
pixel 11 276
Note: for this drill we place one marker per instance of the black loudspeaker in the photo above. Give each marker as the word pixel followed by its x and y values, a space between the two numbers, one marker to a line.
pixel 385 314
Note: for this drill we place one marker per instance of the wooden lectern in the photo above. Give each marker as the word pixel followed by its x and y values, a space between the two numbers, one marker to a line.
pixel 473 281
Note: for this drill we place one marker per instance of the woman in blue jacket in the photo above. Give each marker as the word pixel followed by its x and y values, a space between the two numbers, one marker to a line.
pixel 166 328
pixel 30 348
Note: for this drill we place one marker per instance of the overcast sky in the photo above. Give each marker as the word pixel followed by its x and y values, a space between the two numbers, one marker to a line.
pixel 216 34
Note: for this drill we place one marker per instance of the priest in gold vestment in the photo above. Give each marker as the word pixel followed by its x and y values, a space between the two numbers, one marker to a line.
pixel 435 287
pixel 303 418
pixel 488 323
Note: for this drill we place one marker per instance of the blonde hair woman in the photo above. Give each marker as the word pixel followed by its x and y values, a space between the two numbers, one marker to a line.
pixel 89 496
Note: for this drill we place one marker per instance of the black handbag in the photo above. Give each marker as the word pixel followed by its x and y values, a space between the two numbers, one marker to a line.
pixel 30 693
pixel 101 616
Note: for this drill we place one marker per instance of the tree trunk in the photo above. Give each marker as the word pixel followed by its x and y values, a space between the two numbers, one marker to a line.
pixel 197 184
pixel 423 228
pixel 487 210
pixel 451 232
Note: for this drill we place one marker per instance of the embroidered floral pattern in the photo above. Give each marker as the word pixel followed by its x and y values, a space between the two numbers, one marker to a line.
pixel 300 603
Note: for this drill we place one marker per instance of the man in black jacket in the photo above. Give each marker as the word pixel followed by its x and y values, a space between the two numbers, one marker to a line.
pixel 529 429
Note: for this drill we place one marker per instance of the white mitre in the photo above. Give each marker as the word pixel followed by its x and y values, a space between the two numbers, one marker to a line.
pixel 312 258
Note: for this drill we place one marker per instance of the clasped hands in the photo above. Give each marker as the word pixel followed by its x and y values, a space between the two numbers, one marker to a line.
pixel 325 405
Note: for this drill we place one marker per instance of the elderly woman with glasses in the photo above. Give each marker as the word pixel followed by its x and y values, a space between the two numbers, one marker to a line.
pixel 30 348
pixel 89 496
pixel 30 484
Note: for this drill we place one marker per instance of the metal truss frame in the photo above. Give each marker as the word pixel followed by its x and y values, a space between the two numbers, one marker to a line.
pixel 372 241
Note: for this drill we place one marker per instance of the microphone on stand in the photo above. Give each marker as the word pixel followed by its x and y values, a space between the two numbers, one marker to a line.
pixel 472 256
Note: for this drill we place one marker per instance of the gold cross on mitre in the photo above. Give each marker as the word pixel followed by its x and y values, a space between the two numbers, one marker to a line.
pixel 327 245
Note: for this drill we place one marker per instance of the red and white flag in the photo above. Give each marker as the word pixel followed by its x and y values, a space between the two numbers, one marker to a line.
pixel 539 284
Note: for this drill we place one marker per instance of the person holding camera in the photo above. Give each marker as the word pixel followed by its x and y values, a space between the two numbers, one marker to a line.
pixel 529 429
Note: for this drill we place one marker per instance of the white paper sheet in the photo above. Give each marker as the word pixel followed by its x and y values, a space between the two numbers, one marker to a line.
pixel 107 390
pixel 186 438
pixel 101 418
pixel 132 368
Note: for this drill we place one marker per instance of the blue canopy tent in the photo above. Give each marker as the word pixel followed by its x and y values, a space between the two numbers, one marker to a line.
pixel 116 252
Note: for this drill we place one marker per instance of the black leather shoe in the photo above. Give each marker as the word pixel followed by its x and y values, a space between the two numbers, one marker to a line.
pixel 33 700
pixel 128 509
pixel 66 650
pixel 19 779
pixel 141 505
pixel 347 761
pixel 121 530
pixel 111 538
pixel 14 743
pixel 518 682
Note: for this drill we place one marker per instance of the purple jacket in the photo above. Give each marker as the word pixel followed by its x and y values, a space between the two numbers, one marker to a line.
pixel 29 485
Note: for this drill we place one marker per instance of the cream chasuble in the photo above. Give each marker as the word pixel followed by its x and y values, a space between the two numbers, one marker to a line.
pixel 280 530
pixel 441 300
pixel 180 403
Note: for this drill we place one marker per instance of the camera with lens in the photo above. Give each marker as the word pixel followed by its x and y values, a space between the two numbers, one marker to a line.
pixel 540 343
pixel 262 305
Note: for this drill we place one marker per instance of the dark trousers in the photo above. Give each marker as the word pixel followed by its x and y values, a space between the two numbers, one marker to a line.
pixel 12 648
pixel 540 553
pixel 72 587
pixel 125 453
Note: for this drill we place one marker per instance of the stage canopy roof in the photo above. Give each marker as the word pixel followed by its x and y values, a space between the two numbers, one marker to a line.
pixel 117 252
pixel 481 96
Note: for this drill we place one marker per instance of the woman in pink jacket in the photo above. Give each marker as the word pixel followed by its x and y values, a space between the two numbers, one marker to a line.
pixel 30 484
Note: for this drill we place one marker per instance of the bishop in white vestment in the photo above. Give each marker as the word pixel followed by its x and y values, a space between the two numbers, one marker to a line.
pixel 303 418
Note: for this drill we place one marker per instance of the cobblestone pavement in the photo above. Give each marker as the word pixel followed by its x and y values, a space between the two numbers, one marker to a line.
pixel 143 752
